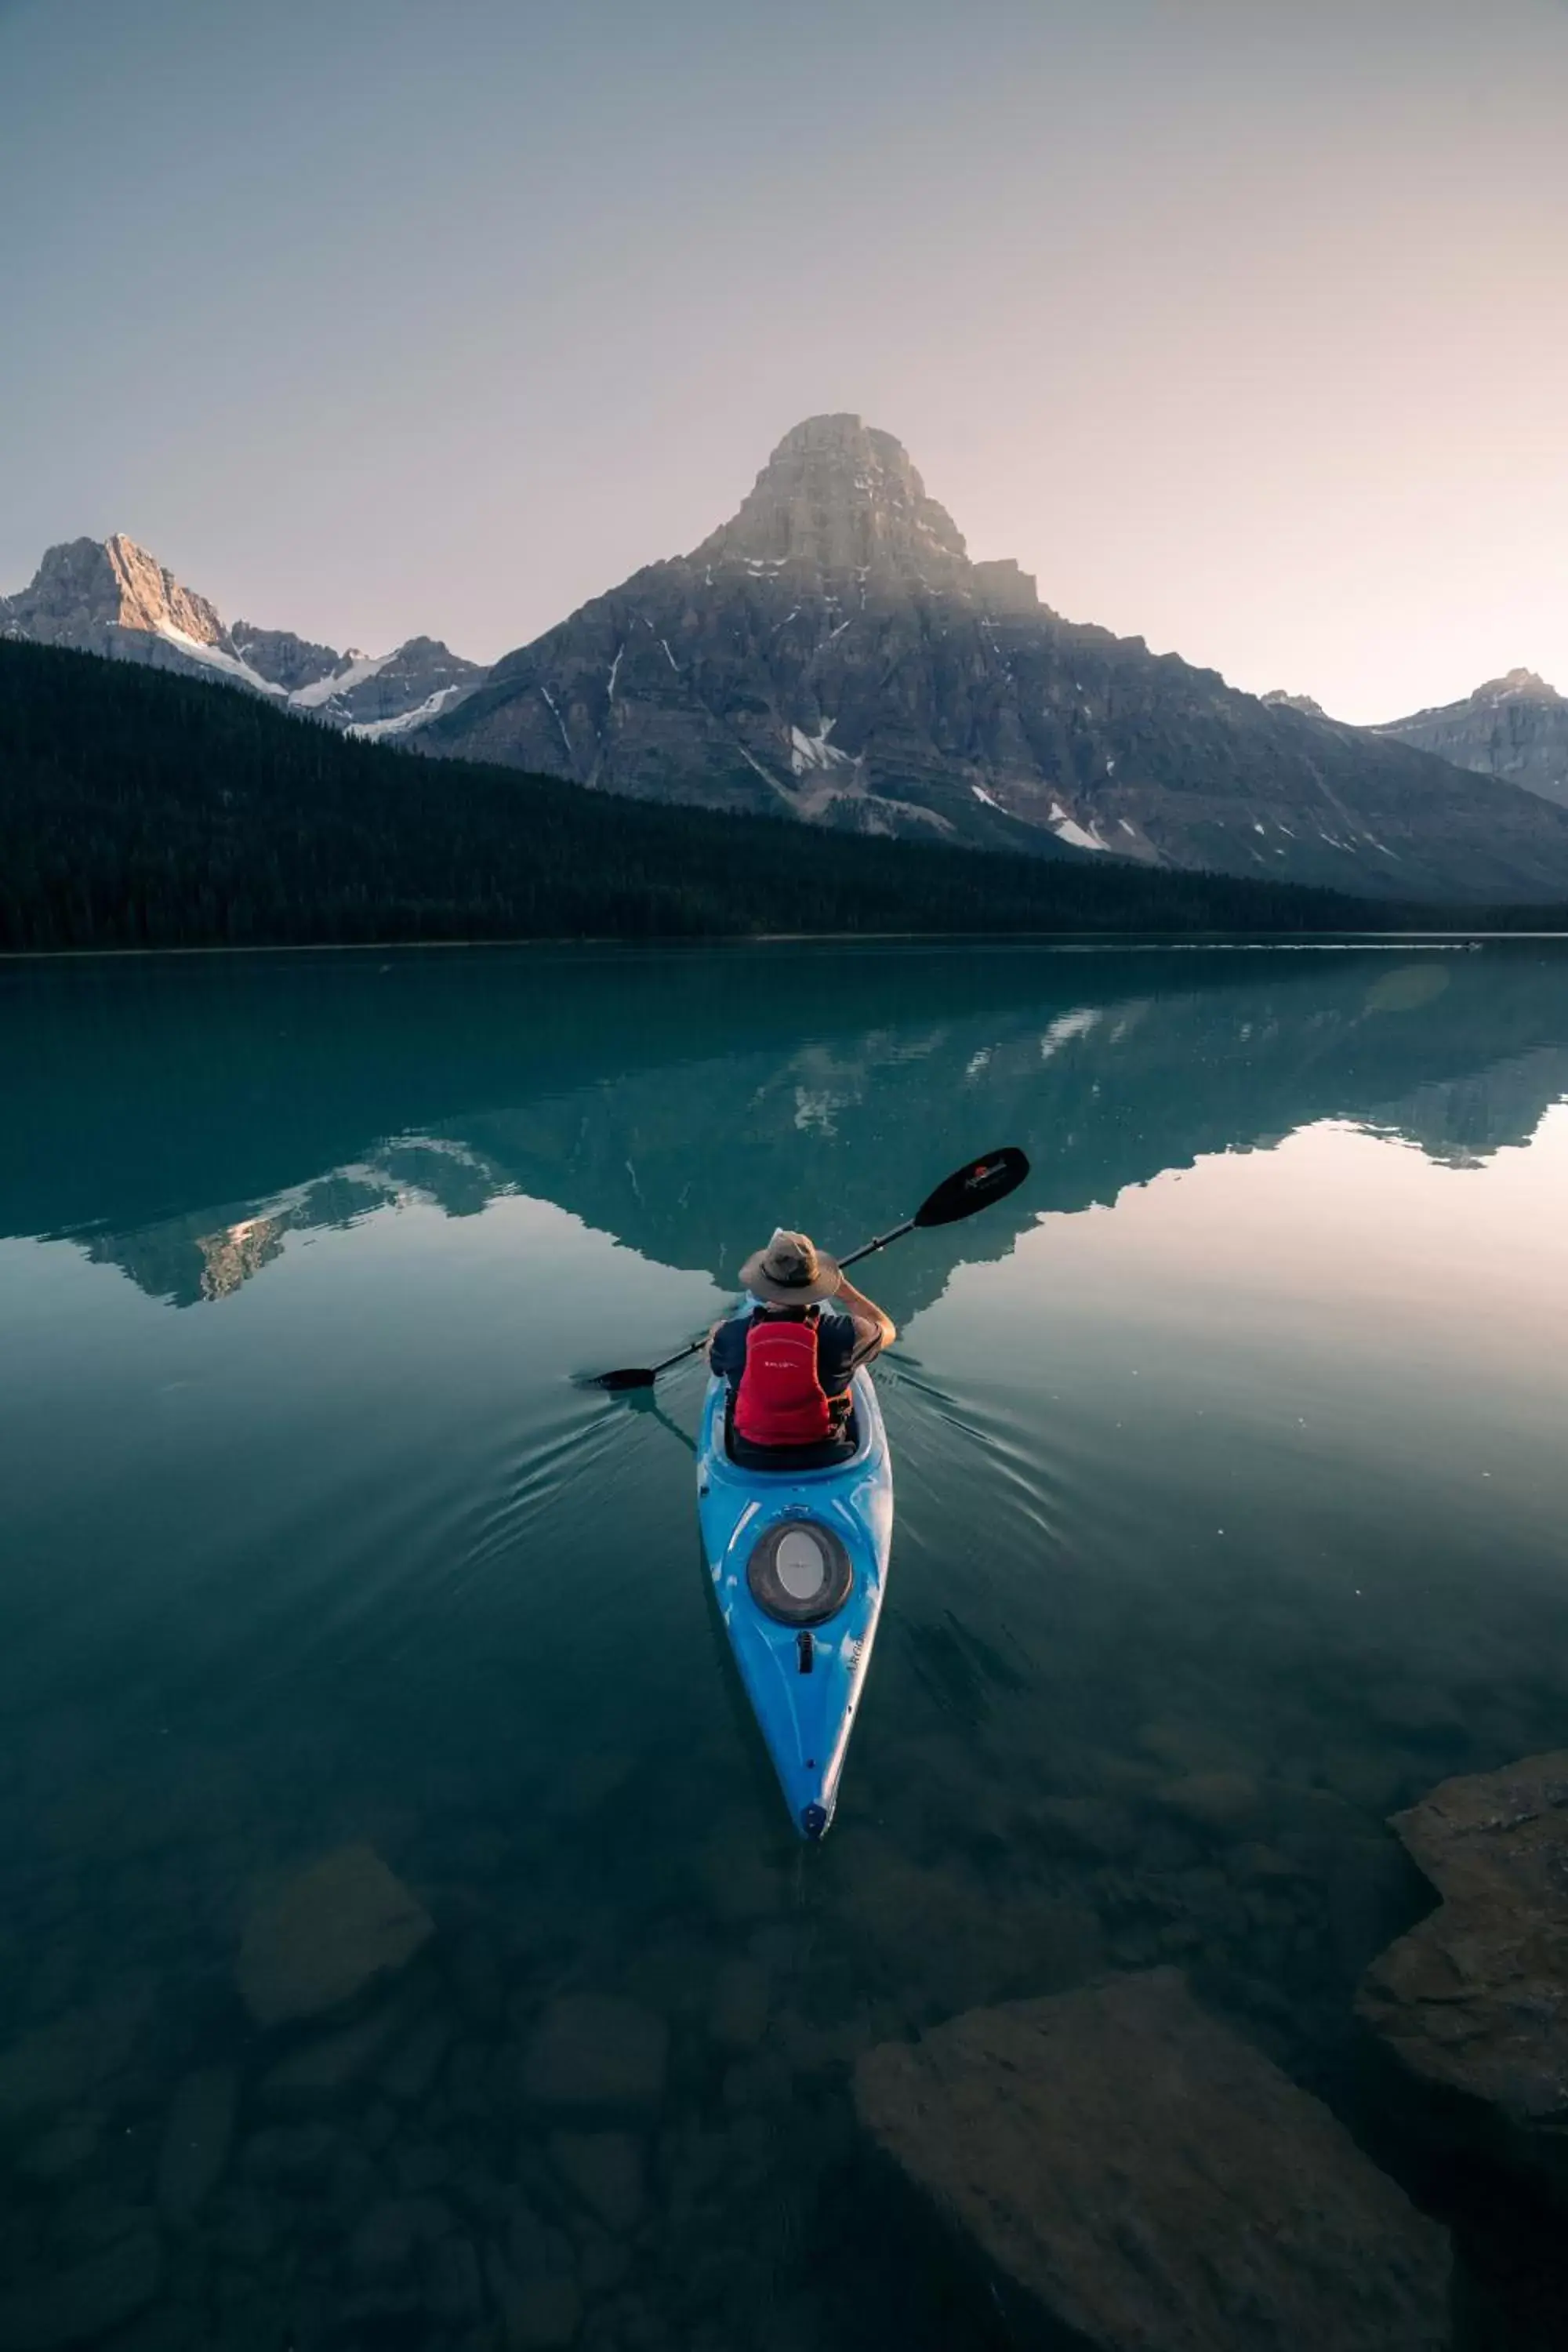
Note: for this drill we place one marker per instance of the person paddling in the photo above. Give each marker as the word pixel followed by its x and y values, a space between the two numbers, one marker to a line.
pixel 788 1365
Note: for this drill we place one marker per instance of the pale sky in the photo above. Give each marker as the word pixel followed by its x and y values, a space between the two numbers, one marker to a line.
pixel 1243 325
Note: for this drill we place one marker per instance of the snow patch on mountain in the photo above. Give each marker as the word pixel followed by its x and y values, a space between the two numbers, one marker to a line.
pixel 377 730
pixel 1067 829
pixel 359 668
pixel 814 752
pixel 214 657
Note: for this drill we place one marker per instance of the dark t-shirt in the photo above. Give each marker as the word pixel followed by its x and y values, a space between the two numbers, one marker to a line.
pixel 835 1350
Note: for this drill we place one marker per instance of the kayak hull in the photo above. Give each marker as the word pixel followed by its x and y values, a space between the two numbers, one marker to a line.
pixel 803 1679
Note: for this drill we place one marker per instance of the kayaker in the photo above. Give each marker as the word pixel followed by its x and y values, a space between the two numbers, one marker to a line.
pixel 788 1364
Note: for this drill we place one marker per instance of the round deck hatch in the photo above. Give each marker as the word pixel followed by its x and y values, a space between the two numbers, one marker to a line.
pixel 799 1572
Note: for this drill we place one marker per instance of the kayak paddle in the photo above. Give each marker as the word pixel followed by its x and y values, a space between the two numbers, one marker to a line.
pixel 968 1189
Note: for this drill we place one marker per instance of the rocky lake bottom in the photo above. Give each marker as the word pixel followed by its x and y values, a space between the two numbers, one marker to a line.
pixel 402 1943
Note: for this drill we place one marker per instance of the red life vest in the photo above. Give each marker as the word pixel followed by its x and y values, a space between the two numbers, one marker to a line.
pixel 781 1400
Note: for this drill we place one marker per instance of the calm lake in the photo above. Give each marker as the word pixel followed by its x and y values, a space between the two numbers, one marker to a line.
pixel 1229 1450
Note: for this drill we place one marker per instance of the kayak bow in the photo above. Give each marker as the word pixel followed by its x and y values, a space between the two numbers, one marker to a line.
pixel 798 1559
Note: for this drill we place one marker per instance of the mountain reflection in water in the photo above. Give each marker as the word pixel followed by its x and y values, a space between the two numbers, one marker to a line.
pixel 182 1127
pixel 1231 1492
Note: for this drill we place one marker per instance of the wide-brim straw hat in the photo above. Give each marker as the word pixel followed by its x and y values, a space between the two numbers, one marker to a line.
pixel 791 1272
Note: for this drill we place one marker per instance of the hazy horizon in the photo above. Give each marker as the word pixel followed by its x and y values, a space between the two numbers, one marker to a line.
pixel 1241 328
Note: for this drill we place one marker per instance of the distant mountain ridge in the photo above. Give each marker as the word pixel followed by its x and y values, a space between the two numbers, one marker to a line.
pixel 111 597
pixel 1515 726
pixel 832 652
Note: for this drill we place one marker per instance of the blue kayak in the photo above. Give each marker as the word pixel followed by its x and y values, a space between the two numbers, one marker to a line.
pixel 798 1559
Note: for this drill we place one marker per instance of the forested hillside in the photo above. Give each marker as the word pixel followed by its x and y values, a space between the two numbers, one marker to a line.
pixel 142 810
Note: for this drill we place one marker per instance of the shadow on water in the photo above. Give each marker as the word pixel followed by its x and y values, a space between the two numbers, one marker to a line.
pixel 1206 1561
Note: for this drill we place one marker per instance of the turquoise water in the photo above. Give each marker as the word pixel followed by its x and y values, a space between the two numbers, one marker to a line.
pixel 1231 1445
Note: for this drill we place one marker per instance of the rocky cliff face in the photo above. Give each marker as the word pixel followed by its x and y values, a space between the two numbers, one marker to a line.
pixel 115 585
pixel 282 658
pixel 110 597
pixel 833 654
pixel 1514 727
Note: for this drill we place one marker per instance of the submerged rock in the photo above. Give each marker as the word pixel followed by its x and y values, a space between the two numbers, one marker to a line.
pixel 410 2072
pixel 196 2140
pixel 75 2055
pixel 84 2302
pixel 392 2234
pixel 324 2068
pixel 605 2169
pixel 294 2153
pixel 963 1940
pixel 1475 1999
pixel 596 2050
pixel 1128 2169
pixel 1096 1829
pixel 67 2147
pixel 449 2272
pixel 537 2314
pixel 330 1932
pixel 737 2017
pixel 1220 1801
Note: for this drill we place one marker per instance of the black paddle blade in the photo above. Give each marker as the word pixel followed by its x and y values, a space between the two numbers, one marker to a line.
pixel 975 1187
pixel 615 1382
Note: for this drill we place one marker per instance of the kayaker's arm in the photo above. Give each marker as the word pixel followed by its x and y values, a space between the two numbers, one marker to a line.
pixel 874 1330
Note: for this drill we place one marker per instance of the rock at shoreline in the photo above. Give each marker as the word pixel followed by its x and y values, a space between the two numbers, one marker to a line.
pixel 1128 2169
pixel 1475 1999
pixel 329 1933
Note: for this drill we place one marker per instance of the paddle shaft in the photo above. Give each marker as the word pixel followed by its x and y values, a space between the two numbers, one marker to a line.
pixel 867 1250
pixel 881 1242
pixel 968 1189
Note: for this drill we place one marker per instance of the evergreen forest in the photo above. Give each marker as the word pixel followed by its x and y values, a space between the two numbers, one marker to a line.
pixel 139 809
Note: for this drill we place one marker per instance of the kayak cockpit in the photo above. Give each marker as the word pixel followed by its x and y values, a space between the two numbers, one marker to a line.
pixel 833 1454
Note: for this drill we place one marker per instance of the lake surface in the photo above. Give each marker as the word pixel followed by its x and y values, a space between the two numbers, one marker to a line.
pixel 1232 1445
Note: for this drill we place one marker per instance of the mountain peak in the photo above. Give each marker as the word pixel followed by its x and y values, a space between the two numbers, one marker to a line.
pixel 1526 683
pixel 1278 699
pixel 112 583
pixel 838 497
pixel 1514 727
pixel 110 596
